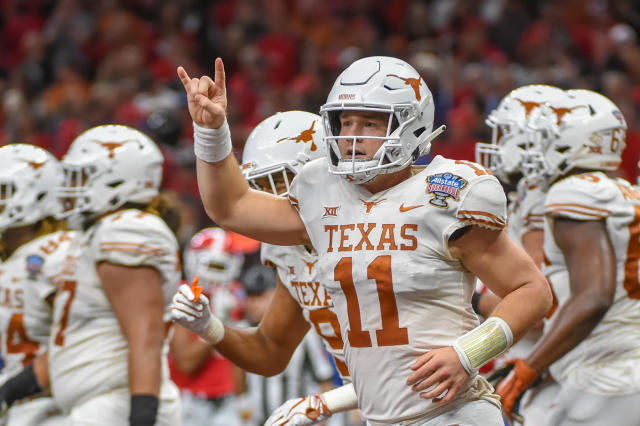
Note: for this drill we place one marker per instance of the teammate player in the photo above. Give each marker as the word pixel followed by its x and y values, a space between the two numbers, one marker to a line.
pixel 107 354
pixel 505 156
pixel 33 250
pixel 274 153
pixel 590 243
pixel 399 251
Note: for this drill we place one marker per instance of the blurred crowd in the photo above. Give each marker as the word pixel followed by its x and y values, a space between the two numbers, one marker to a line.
pixel 72 64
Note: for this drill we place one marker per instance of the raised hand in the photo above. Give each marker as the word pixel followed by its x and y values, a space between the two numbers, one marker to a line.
pixel 207 98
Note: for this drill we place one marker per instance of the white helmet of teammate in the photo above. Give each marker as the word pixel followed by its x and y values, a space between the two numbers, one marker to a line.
pixel 216 255
pixel 107 166
pixel 582 129
pixel 29 176
pixel 279 146
pixel 380 84
pixel 509 131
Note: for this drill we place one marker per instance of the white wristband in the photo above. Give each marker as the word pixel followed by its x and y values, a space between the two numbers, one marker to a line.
pixel 214 331
pixel 341 399
pixel 212 145
pixel 483 343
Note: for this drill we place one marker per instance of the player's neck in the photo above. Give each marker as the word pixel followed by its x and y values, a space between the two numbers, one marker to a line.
pixel 15 237
pixel 383 182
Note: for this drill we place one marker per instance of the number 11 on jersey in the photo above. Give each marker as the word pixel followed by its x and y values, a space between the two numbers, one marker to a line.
pixel 379 270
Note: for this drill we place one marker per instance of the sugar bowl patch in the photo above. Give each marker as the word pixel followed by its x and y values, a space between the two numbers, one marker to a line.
pixel 444 186
pixel 34 266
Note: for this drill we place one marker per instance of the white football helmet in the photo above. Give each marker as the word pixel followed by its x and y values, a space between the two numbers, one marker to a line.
pixel 582 129
pixel 279 146
pixel 29 176
pixel 509 131
pixel 216 256
pixel 380 84
pixel 107 166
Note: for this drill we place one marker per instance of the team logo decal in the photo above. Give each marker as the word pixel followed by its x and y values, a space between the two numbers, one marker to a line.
pixel 112 146
pixel 414 83
pixel 560 112
pixel 34 266
pixel 443 186
pixel 304 136
pixel 528 106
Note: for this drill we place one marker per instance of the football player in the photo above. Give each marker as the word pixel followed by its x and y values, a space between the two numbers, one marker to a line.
pixel 274 153
pixel 591 259
pixel 34 247
pixel 398 251
pixel 108 345
pixel 505 157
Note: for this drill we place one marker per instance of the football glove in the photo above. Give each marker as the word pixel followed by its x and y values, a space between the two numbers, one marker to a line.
pixel 511 388
pixel 194 314
pixel 308 410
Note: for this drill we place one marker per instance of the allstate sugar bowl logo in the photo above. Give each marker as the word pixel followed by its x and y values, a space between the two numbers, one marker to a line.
pixel 443 186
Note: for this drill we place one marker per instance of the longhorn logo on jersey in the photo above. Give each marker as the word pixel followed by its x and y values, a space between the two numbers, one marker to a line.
pixel 371 204
pixel 444 186
pixel 310 265
pixel 413 82
pixel 304 136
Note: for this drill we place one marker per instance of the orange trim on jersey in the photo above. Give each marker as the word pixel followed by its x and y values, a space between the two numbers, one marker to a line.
pixel 342 367
pixel 582 206
pixel 481 213
pixel 132 247
pixel 484 222
pixel 578 212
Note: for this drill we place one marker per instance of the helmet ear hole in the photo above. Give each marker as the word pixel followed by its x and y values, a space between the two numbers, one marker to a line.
pixel 419 131
pixel 115 183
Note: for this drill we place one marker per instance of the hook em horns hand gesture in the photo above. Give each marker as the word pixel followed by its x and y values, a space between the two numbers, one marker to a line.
pixel 207 98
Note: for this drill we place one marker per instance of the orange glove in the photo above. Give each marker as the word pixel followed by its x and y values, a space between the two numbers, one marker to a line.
pixel 513 386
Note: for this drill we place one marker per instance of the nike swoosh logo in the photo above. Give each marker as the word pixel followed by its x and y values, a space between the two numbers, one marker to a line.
pixel 406 209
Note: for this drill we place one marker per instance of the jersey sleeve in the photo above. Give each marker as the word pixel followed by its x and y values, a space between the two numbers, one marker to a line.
pixel 484 204
pixel 581 197
pixel 273 257
pixel 532 211
pixel 137 239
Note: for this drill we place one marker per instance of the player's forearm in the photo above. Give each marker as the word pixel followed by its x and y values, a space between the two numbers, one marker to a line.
pixel 575 321
pixel 252 351
pixel 41 370
pixel 145 366
pixel 525 306
pixel 222 186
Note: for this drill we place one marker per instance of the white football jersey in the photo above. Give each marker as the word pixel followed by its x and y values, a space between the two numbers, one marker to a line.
pixel 606 362
pixel 297 269
pixel 526 212
pixel 397 291
pixel 27 280
pixel 88 352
